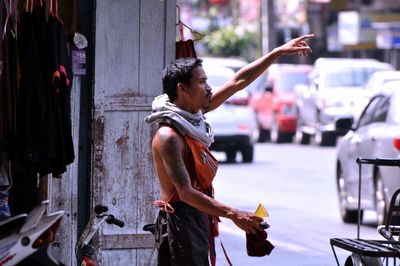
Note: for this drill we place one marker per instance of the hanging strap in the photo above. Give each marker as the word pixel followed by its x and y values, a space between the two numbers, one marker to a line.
pixel 181 31
pixel 8 13
pixel 213 255
pixel 27 5
pixel 11 9
pixel 15 11
pixel 225 253
pixel 51 11
pixel 56 7
pixel 165 205
pixel 31 6
pixel 51 7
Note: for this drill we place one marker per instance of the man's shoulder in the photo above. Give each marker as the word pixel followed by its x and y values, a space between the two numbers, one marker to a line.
pixel 167 134
pixel 167 130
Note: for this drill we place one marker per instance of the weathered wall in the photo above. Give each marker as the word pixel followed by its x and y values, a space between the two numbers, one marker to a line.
pixel 134 40
pixel 63 191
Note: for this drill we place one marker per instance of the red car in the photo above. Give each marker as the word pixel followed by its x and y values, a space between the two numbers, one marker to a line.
pixel 275 103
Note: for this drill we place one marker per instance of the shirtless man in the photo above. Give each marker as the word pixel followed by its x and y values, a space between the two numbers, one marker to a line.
pixel 186 223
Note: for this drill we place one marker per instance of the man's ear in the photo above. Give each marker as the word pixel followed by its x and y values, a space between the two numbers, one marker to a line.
pixel 181 86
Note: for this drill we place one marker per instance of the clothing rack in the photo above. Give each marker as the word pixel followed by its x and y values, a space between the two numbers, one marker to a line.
pixel 11 10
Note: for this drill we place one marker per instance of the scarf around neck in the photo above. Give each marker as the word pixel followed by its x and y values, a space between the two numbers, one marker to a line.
pixel 163 111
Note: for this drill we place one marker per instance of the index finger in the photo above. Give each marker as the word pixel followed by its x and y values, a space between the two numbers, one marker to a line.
pixel 305 37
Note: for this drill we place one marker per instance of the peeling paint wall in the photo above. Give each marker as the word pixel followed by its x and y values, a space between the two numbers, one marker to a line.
pixel 134 40
pixel 63 191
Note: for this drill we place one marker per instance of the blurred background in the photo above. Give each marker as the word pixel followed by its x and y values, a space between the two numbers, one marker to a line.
pixel 248 28
pixel 291 139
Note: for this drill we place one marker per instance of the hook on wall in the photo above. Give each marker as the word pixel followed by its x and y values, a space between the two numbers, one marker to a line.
pixel 178 22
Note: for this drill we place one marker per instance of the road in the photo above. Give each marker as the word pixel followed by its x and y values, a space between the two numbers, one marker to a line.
pixel 297 186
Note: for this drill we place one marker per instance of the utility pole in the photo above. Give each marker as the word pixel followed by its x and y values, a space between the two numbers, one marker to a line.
pixel 268 31
pixel 235 12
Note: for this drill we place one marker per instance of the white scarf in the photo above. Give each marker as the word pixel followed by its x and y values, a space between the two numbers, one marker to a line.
pixel 163 111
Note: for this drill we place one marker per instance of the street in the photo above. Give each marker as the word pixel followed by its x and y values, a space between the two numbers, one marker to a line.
pixel 297 186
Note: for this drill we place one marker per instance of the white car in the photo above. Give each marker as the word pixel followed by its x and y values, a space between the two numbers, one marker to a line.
pixel 233 63
pixel 334 90
pixel 380 78
pixel 234 122
pixel 372 86
pixel 375 135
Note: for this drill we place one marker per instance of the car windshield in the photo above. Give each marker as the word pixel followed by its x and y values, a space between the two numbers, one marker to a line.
pixel 286 81
pixel 348 77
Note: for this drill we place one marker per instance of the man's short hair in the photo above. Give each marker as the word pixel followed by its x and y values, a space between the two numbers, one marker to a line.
pixel 178 71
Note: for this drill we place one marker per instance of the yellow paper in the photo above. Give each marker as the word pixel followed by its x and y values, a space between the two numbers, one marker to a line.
pixel 261 211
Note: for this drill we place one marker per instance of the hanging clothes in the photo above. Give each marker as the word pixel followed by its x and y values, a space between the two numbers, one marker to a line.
pixel 61 147
pixel 184 48
pixel 35 119
pixel 38 90
pixel 9 91
pixel 32 106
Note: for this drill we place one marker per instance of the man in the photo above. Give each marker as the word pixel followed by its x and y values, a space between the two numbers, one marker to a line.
pixel 187 222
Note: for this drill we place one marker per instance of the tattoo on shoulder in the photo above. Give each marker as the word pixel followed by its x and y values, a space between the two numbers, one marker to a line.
pixel 171 151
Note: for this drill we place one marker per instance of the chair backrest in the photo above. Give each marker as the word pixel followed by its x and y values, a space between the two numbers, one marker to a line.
pixel 393 215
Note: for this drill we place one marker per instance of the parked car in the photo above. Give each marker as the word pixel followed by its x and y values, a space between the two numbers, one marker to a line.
pixel 234 122
pixel 373 85
pixel 235 64
pixel 275 101
pixel 230 62
pixel 376 134
pixel 378 79
pixel 334 87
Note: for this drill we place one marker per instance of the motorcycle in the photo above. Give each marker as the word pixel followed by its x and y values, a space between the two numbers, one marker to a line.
pixel 25 238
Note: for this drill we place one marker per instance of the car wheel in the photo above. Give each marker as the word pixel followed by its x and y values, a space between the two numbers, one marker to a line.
pixel 327 139
pixel 265 135
pixel 280 137
pixel 274 128
pixel 247 153
pixel 304 138
pixel 230 155
pixel 380 201
pixel 348 216
pixel 300 136
pixel 284 137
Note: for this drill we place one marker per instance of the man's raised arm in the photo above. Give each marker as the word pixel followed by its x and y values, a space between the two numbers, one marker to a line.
pixel 250 72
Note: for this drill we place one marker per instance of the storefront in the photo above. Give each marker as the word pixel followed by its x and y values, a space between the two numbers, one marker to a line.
pixel 112 83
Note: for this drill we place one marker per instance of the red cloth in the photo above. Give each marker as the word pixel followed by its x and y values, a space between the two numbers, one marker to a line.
pixel 257 244
pixel 185 49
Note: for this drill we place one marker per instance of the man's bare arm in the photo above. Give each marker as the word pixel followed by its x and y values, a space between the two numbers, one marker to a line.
pixel 250 72
pixel 170 147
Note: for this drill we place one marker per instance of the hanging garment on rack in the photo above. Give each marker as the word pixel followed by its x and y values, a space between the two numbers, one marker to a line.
pixel 61 148
pixel 9 92
pixel 32 99
pixel 42 133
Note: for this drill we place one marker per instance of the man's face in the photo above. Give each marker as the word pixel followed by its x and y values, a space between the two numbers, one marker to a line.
pixel 199 93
